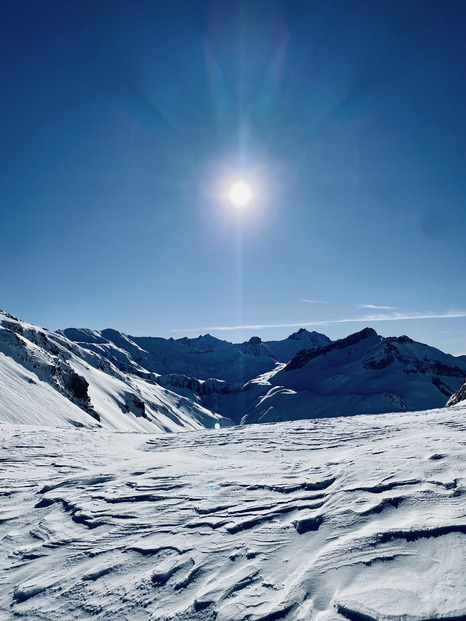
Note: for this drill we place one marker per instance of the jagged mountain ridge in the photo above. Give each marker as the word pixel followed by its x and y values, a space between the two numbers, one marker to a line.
pixel 46 379
pixel 203 357
pixel 125 382
pixel 360 374
pixel 304 376
pixel 208 370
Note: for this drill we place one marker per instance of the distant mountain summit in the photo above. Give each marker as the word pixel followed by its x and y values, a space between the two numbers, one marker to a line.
pixel 203 357
pixel 85 377
pixel 360 374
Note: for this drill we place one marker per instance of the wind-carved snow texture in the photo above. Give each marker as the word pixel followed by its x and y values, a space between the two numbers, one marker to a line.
pixel 342 518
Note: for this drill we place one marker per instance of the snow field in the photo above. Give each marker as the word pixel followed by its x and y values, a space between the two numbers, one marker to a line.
pixel 356 518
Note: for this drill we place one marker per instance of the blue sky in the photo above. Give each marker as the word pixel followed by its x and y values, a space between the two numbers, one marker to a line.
pixel 125 121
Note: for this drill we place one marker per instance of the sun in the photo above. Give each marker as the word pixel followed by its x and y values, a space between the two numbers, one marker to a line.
pixel 240 194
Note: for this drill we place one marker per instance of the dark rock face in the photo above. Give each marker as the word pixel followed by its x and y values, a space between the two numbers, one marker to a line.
pixel 135 404
pixel 444 389
pixel 9 315
pixel 207 387
pixel 404 340
pixel 442 369
pixel 306 355
pixel 380 363
pixel 77 386
pixel 459 395
pixel 352 339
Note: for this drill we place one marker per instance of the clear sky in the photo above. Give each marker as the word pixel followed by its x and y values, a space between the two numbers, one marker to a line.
pixel 124 122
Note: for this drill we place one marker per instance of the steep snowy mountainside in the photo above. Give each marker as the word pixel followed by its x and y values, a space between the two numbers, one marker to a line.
pixel 250 382
pixel 47 379
pixel 339 519
pixel 363 373
pixel 123 353
pixel 26 398
pixel 207 370
pixel 459 397
pixel 165 356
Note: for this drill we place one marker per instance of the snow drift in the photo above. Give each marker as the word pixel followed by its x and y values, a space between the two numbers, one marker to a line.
pixel 353 518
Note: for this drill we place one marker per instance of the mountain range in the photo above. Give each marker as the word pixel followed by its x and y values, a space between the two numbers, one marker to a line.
pixel 85 377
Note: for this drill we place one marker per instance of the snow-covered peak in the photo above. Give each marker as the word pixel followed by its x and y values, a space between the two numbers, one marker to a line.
pixel 47 379
pixel 204 342
pixel 362 373
pixel 82 335
pixel 305 335
pixel 287 349
pixel 305 356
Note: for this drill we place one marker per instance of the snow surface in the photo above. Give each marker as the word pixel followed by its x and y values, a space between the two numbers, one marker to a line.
pixel 358 517
pixel 26 398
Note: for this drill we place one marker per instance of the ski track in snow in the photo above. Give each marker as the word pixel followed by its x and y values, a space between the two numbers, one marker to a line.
pixel 354 518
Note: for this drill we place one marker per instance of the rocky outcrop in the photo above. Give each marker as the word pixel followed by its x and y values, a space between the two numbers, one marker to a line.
pixel 305 356
pixel 458 396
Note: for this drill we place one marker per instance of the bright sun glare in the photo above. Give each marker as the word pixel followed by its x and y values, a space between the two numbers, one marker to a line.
pixel 240 194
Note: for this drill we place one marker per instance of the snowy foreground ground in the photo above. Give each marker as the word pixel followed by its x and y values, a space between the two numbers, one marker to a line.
pixel 358 518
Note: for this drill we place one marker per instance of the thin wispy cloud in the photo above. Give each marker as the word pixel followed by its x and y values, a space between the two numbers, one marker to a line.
pixel 376 307
pixel 315 301
pixel 364 319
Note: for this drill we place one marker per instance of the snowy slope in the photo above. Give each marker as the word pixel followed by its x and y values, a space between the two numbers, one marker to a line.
pixel 48 380
pixel 207 370
pixel 358 518
pixel 23 397
pixel 361 374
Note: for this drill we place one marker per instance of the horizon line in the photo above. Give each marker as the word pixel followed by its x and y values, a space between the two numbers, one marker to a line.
pixel 366 318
